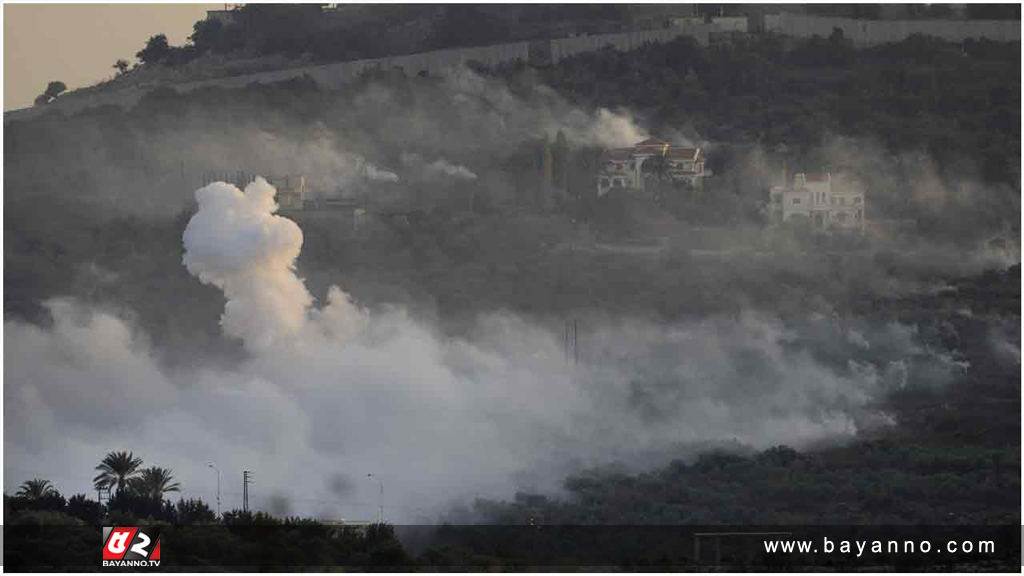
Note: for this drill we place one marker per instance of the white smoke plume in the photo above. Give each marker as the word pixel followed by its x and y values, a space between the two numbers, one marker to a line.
pixel 609 129
pixel 510 116
pixel 338 390
pixel 439 168
pixel 236 243
pixel 377 175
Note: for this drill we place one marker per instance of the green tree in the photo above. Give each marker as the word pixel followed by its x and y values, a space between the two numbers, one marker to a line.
pixel 194 511
pixel 36 489
pixel 156 50
pixel 121 66
pixel 53 89
pixel 153 482
pixel 83 508
pixel 116 469
pixel 206 34
pixel 467 25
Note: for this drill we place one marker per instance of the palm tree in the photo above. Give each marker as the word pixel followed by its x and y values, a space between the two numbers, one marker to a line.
pixel 153 482
pixel 117 469
pixel 36 489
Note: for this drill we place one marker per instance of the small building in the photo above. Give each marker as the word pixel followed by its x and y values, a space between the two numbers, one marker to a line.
pixel 291 191
pixel 827 202
pixel 631 168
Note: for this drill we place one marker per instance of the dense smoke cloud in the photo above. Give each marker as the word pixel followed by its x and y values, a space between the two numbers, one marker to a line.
pixel 336 391
pixel 236 243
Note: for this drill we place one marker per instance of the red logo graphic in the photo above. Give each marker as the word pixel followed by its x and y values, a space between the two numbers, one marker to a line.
pixel 117 543
pixel 131 546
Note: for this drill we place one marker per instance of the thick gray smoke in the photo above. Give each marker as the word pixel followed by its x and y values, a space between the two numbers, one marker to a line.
pixel 334 391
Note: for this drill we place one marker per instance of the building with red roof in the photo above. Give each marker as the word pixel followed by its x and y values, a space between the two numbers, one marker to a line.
pixel 632 168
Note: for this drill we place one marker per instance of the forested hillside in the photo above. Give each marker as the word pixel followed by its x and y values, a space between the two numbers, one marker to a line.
pixel 96 206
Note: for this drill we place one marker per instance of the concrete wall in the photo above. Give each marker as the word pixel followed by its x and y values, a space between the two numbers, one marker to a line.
pixel 871 32
pixel 337 74
pixel 565 47
pixel 730 23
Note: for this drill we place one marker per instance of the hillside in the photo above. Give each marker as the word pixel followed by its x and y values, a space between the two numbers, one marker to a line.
pixel 498 342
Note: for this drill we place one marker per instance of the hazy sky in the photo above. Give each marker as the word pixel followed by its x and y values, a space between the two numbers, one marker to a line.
pixel 79 43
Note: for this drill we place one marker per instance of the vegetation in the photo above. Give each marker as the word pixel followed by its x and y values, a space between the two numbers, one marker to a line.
pixel 121 66
pixel 156 50
pixel 36 489
pixel 53 90
pixel 154 482
pixel 921 93
pixel 65 229
pixel 55 535
pixel 118 470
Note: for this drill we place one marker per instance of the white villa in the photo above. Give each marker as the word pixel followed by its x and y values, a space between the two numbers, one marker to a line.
pixel 828 203
pixel 631 167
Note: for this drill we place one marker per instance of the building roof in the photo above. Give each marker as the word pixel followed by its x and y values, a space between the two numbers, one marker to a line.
pixel 818 176
pixel 680 153
pixel 652 142
pixel 651 146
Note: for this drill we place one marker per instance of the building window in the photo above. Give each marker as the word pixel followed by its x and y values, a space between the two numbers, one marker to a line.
pixel 856 199
pixel 796 200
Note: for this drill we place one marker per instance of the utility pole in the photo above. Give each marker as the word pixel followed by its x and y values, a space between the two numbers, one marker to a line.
pixel 381 502
pixel 246 479
pixel 212 465
pixel 99 500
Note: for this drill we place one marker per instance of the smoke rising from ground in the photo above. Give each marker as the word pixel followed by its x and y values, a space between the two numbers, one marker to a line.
pixel 236 243
pixel 335 390
pixel 439 168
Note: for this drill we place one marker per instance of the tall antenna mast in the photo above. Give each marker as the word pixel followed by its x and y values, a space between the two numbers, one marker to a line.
pixel 246 480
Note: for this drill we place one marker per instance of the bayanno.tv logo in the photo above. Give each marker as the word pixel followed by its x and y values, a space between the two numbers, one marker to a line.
pixel 131 546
